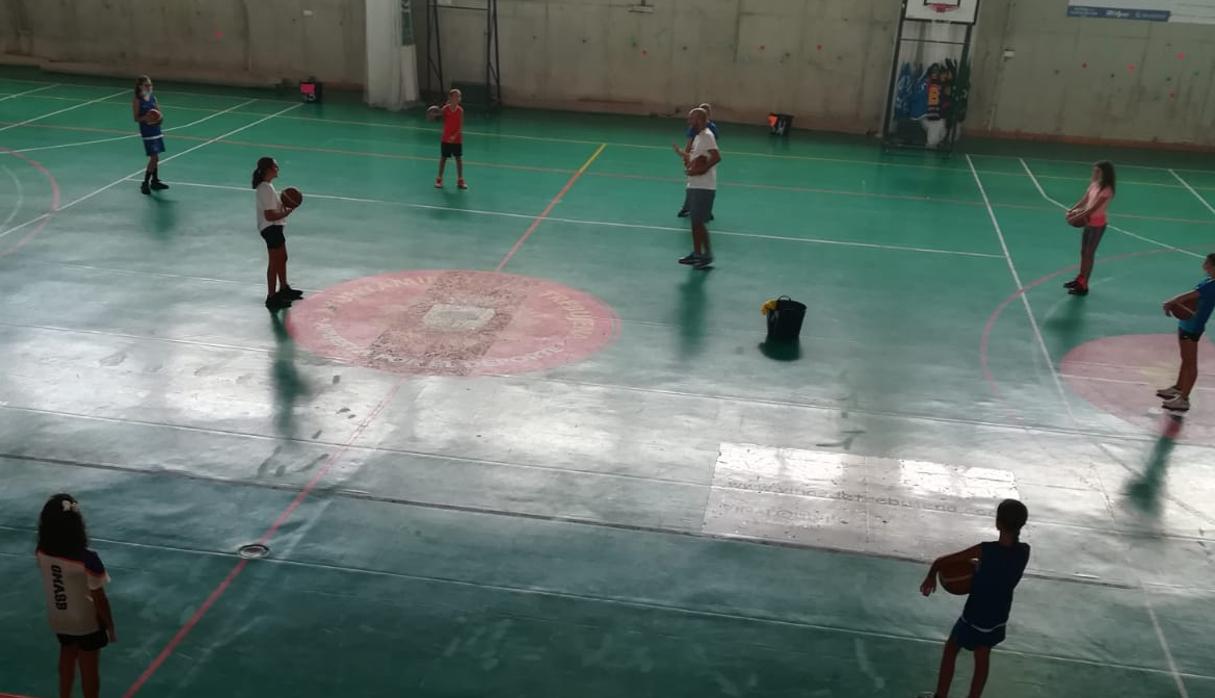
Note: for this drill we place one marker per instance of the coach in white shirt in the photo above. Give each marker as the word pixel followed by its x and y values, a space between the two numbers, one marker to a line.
pixel 700 164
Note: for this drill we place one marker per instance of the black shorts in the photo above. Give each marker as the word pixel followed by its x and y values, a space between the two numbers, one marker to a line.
pixel 1189 336
pixel 87 643
pixel 452 150
pixel 273 235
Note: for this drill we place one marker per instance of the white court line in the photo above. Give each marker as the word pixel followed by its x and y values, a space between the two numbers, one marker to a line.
pixel 578 221
pixel 133 135
pixel 29 92
pixel 20 196
pixel 1033 321
pixel 1192 191
pixel 124 178
pixel 60 111
pixel 1164 645
pixel 1158 243
pixel 158 90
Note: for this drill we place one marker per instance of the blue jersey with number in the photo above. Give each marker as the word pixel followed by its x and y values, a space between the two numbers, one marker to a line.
pixel 148 131
pixel 1202 309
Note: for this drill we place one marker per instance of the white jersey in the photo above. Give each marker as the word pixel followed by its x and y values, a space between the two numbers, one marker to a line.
pixel 68 583
pixel 267 199
pixel 701 145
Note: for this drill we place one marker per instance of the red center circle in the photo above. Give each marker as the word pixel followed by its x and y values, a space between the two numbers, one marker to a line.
pixel 1119 375
pixel 452 322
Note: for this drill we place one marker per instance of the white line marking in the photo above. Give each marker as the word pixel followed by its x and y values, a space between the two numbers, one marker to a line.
pixel 1012 268
pixel 133 135
pixel 1147 601
pixel 1192 191
pixel 29 92
pixel 60 111
pixel 124 178
pixel 1046 196
pixel 20 197
pixel 634 226
pixel 1164 645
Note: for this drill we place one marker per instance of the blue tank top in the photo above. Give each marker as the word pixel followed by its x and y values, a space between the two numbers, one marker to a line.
pixel 991 591
pixel 145 106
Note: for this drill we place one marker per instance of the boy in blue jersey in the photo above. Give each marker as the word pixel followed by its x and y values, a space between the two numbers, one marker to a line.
pixel 999 566
pixel 691 135
pixel 1189 331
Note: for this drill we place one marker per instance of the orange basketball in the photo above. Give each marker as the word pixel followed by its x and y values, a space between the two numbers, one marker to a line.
pixel 154 117
pixel 1076 217
pixel 1182 310
pixel 956 577
pixel 291 197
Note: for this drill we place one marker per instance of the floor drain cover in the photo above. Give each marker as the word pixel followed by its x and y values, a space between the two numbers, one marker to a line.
pixel 253 551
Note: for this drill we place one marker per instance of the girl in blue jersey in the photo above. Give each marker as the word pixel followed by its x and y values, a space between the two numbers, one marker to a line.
pixel 1189 332
pixel 1000 565
pixel 149 129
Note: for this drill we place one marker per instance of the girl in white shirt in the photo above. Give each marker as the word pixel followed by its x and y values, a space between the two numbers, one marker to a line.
pixel 271 219
pixel 74 581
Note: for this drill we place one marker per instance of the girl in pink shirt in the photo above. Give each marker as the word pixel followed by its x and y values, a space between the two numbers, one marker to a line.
pixel 1092 207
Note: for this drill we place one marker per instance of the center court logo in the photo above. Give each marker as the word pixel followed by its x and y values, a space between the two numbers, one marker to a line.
pixel 462 323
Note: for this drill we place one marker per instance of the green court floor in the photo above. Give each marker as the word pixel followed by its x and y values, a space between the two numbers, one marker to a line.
pixel 506 446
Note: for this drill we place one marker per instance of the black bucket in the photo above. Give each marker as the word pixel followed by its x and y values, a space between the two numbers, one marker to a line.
pixel 785 322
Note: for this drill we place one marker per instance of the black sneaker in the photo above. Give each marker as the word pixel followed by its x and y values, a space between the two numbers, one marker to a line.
pixel 144 188
pixel 291 293
pixel 1078 291
pixel 690 259
pixel 277 302
pixel 159 185
pixel 1072 284
pixel 683 213
pixel 705 262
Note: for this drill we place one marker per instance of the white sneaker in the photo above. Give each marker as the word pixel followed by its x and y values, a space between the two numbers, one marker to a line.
pixel 1177 404
pixel 1168 393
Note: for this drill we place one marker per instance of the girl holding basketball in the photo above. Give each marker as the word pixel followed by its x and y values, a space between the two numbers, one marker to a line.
pixel 1091 209
pixel 1192 310
pixel 271 218
pixel 146 111
pixel 74 581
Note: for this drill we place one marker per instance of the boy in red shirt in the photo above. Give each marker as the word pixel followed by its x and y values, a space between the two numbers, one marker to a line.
pixel 452 144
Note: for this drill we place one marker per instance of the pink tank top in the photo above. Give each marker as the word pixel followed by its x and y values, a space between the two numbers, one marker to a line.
pixel 1097 217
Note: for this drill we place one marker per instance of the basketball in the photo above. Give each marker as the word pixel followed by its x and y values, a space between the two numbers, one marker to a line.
pixel 1076 218
pixel 433 112
pixel 154 117
pixel 291 197
pixel 955 578
pixel 1182 310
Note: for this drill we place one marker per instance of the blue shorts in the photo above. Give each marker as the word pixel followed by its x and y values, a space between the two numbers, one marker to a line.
pixel 969 637
pixel 1183 333
pixel 153 146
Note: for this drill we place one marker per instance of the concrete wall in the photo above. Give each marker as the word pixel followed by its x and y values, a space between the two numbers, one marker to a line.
pixel 246 41
pixel 827 62
pixel 1092 79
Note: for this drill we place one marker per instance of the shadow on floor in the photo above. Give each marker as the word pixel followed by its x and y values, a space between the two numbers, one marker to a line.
pixel 289 385
pixel 1144 490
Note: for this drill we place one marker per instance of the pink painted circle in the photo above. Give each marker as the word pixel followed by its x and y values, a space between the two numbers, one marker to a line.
pixel 451 322
pixel 1120 375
